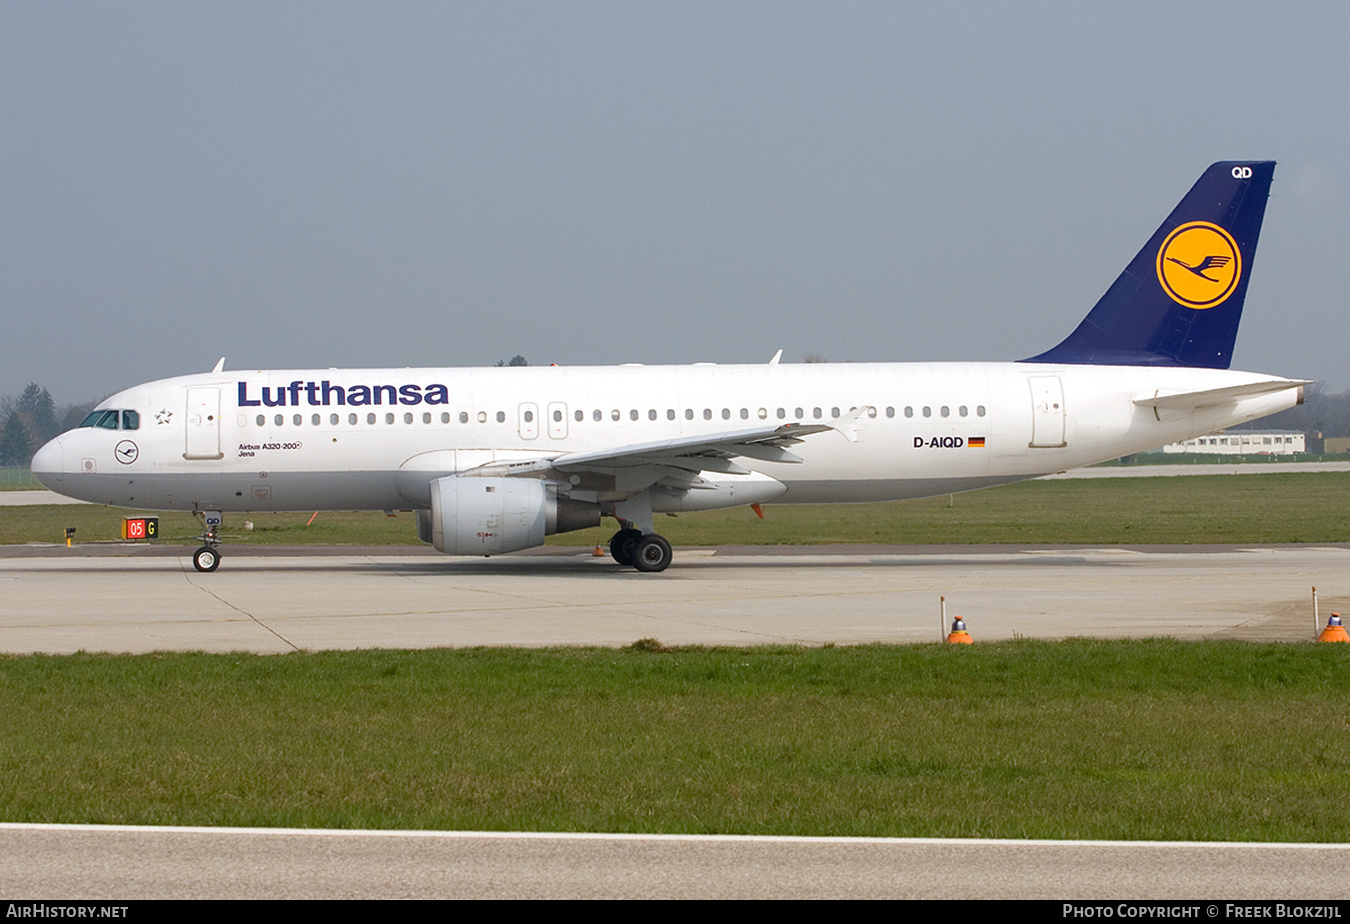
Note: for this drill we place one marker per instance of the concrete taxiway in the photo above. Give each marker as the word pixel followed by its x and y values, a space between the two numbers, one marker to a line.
pixel 145 598
pixel 119 862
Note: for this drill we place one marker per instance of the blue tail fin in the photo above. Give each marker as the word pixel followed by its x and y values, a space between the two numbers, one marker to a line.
pixel 1179 301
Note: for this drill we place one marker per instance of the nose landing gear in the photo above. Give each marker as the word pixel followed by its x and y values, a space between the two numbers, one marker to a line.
pixel 207 558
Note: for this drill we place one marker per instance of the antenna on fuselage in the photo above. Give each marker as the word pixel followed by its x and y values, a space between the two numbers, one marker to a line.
pixel 220 364
pixel 777 356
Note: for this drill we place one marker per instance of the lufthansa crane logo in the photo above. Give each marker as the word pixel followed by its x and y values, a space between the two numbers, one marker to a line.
pixel 1199 265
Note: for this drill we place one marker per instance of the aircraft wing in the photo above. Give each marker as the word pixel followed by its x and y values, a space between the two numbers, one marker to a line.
pixel 766 443
pixel 1193 400
pixel 678 462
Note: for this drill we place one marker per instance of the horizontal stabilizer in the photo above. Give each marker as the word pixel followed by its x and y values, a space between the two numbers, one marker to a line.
pixel 1193 400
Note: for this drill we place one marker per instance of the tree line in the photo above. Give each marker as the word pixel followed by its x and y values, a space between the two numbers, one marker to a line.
pixel 31 419
pixel 1322 414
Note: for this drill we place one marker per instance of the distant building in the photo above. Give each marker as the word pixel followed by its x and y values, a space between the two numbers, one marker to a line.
pixel 1244 443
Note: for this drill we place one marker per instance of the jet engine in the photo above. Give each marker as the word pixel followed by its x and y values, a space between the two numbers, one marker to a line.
pixel 489 516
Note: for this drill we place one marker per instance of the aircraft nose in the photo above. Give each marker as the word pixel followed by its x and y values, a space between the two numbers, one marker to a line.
pixel 47 464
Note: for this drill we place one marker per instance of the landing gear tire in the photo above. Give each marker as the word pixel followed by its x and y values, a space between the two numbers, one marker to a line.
pixel 206 559
pixel 652 553
pixel 623 545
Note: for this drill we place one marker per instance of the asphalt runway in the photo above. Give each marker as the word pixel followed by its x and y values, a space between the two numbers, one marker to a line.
pixel 123 598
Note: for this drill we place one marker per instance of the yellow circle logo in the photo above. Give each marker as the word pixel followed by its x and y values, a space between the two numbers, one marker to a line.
pixel 1199 265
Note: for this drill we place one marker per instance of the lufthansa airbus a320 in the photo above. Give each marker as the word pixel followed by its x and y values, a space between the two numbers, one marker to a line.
pixel 493 460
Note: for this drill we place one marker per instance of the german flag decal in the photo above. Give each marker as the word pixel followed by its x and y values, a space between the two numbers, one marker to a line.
pixel 975 442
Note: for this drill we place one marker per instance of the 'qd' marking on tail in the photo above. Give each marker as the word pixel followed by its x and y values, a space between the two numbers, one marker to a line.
pixel 1199 265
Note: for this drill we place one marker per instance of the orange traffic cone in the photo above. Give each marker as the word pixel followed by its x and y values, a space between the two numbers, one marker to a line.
pixel 599 552
pixel 959 635
pixel 1334 632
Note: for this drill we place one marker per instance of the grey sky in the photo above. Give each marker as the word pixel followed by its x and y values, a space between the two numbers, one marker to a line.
pixel 340 184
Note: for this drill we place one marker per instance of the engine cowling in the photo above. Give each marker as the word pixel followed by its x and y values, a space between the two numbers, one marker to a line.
pixel 489 516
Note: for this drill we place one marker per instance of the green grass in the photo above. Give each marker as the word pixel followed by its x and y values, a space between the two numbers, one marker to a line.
pixel 1085 739
pixel 1301 507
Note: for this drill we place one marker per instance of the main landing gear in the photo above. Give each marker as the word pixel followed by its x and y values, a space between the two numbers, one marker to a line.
pixel 207 558
pixel 648 552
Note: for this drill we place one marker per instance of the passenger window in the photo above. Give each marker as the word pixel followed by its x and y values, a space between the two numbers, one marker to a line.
pixel 580 416
pixel 557 416
pixel 689 413
pixel 445 417
pixel 633 414
pixel 927 411
pixel 909 411
pixel 963 410
pixel 726 413
pixel 834 412
pixel 316 420
pixel 651 414
pixel 670 413
pixel 798 413
pixel 501 417
pixel 815 412
pixel 262 421
pixel 946 411
pixel 297 420
pixel 979 410
pixel 871 411
pixel 426 417
pixel 280 420
pixel 407 418
pixel 131 420
pixel 370 418
pixel 333 419
pixel 615 414
pixel 890 412
pixel 351 419
pixel 529 416
pixel 707 413
pixel 782 413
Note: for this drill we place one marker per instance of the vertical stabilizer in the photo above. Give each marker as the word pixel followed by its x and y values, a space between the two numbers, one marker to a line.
pixel 1179 301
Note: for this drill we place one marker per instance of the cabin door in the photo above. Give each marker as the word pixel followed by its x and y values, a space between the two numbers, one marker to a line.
pixel 203 423
pixel 1047 412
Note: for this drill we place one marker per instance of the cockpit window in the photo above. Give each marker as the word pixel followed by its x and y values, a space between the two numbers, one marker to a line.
pixel 131 420
pixel 105 419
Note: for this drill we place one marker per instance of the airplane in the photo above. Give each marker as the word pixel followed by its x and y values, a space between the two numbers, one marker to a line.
pixel 493 460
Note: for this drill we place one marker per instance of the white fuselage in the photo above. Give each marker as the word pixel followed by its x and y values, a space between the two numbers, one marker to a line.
pixel 373 438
